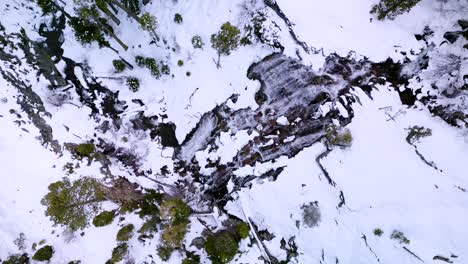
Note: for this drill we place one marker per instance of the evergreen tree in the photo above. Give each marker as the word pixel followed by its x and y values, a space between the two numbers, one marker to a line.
pixel 226 40
pixel 73 203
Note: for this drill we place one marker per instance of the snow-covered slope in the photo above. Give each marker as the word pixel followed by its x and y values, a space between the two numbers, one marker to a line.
pixel 305 134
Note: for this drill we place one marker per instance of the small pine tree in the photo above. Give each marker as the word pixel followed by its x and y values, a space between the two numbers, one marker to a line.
pixel 391 8
pixel 148 22
pixel 197 42
pixel 178 18
pixel 226 40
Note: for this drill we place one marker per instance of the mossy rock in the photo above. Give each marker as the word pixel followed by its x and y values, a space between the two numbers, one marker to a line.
pixel 119 252
pixel 103 218
pixel 175 210
pixel 125 233
pixel 85 149
pixel 242 230
pixel 221 247
pixel 44 253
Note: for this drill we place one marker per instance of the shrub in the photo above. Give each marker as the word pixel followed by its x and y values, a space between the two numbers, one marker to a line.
pixel 72 203
pixel 192 260
pixel 119 65
pixel 85 149
pixel 226 40
pixel 148 22
pixel 188 74
pixel 44 253
pixel 221 247
pixel 338 136
pixel 242 229
pixel 125 233
pixel 165 252
pixel 180 63
pixel 103 218
pixel 378 232
pixel 165 69
pixel 197 42
pixel 392 8
pixel 151 65
pixel 133 84
pixel 178 18
pixel 119 252
pixel 18 259
pixel 175 210
pixel 398 235
pixel 140 61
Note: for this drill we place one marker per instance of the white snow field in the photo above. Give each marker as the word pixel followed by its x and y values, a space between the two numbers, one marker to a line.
pixel 384 182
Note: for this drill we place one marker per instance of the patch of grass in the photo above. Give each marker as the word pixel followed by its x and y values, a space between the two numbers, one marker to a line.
pixel 174 234
pixel 125 233
pixel 178 18
pixel 103 218
pixel 378 232
pixel 398 235
pixel 44 253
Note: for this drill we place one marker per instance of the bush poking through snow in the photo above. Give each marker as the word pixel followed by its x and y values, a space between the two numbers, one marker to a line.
pixel 175 213
pixel 119 65
pixel 133 84
pixel 221 247
pixel 180 63
pixel 125 233
pixel 398 235
pixel 378 232
pixel 103 218
pixel 242 230
pixel 44 253
pixel 178 18
pixel 197 42
pixel 391 8
pixel 226 40
pixel 311 215
pixel 148 22
pixel 192 260
pixel 415 133
pixel 339 136
pixel 85 149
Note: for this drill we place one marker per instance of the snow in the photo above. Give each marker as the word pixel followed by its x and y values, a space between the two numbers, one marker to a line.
pixel 384 182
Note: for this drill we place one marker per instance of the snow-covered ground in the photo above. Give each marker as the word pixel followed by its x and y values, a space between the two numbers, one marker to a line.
pixel 384 182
